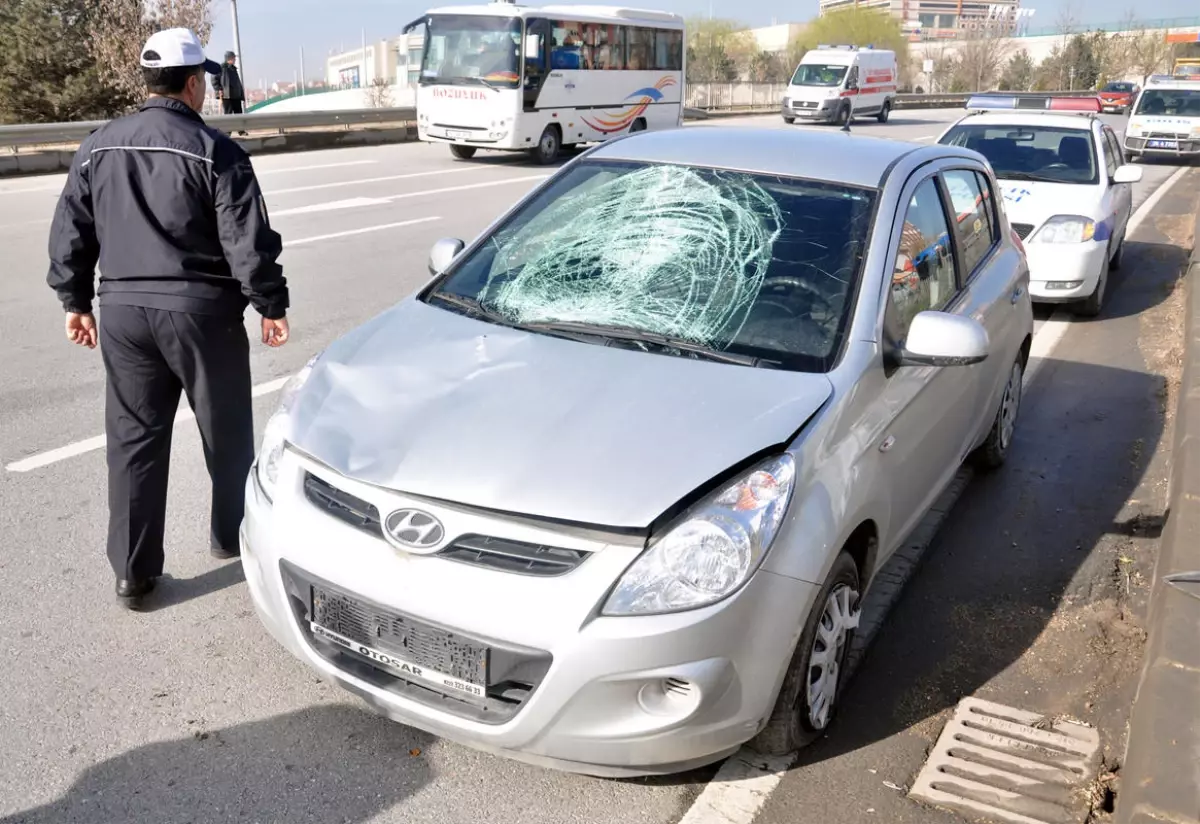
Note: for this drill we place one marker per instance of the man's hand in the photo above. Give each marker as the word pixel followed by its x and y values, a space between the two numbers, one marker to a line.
pixel 274 332
pixel 81 329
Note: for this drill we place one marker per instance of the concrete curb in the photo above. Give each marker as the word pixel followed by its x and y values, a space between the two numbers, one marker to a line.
pixel 1160 778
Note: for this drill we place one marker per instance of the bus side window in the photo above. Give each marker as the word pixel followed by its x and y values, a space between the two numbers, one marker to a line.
pixel 615 60
pixel 536 48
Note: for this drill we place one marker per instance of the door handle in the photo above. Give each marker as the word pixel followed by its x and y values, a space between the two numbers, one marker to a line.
pixel 1017 294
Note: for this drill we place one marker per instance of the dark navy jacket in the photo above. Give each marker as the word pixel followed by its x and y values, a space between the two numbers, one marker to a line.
pixel 172 213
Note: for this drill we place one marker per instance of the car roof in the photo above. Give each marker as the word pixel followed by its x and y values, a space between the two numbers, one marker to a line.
pixel 829 155
pixel 1018 118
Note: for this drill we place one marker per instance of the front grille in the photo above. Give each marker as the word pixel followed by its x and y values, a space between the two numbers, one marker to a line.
pixel 459 128
pixel 1022 229
pixel 343 506
pixel 1166 136
pixel 512 673
pixel 478 550
pixel 513 556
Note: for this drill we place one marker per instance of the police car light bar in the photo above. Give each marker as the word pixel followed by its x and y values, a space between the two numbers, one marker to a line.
pixel 985 102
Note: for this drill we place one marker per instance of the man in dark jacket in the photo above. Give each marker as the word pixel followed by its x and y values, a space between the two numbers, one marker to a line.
pixel 171 212
pixel 230 90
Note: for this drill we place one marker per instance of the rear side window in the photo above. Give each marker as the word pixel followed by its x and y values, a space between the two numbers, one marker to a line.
pixel 974 231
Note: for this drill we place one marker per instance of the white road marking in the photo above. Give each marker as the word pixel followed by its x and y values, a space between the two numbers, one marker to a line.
pixel 31 189
pixel 375 201
pixel 316 166
pixel 361 231
pixel 92 444
pixel 1143 211
pixel 364 181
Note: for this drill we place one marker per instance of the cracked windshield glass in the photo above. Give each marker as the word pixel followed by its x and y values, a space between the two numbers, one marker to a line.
pixel 467 49
pixel 725 262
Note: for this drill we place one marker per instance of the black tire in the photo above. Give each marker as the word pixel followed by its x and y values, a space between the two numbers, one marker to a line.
pixel 885 112
pixel 789 728
pixel 639 125
pixel 462 152
pixel 1090 306
pixel 844 115
pixel 993 452
pixel 1118 257
pixel 789 120
pixel 549 146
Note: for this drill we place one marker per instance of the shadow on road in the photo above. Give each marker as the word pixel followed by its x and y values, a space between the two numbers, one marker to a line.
pixel 315 766
pixel 1138 293
pixel 172 591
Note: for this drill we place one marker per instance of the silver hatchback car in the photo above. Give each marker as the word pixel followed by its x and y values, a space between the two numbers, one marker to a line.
pixel 606 493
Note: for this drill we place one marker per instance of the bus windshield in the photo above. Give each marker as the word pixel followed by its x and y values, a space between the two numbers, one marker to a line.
pixel 1178 102
pixel 462 49
pixel 817 74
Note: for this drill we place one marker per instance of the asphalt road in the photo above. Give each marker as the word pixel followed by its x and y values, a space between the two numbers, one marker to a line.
pixel 191 712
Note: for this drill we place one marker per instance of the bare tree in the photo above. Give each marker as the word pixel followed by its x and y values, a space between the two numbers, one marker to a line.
pixel 379 94
pixel 1147 50
pixel 980 62
pixel 121 27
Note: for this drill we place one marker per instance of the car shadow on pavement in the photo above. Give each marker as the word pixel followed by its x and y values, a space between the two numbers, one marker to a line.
pixel 172 591
pixel 314 766
pixel 1019 543
pixel 1138 294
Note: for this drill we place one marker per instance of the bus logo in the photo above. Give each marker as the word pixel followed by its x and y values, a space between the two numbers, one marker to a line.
pixel 635 105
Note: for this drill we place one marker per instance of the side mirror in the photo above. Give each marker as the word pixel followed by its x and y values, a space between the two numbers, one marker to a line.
pixel 939 339
pixel 443 254
pixel 1127 174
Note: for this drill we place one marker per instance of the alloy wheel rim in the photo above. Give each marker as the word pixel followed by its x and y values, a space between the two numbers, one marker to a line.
pixel 839 617
pixel 1009 407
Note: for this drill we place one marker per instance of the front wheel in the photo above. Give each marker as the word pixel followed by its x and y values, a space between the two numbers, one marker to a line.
pixel 1090 306
pixel 789 120
pixel 885 112
pixel 994 451
pixel 462 152
pixel 808 697
pixel 844 116
pixel 548 147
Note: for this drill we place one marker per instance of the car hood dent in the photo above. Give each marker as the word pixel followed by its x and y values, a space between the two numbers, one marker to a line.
pixel 431 403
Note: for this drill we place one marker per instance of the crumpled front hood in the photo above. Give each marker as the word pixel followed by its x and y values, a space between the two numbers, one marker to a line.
pixel 431 403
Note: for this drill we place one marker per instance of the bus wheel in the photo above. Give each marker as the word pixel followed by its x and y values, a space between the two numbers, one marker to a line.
pixel 462 152
pixel 639 125
pixel 548 146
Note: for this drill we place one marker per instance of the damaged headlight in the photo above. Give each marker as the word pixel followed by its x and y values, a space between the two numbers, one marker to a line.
pixel 713 550
pixel 270 454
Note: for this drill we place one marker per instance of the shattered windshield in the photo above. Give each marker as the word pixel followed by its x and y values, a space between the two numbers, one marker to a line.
pixel 471 49
pixel 727 262
pixel 815 74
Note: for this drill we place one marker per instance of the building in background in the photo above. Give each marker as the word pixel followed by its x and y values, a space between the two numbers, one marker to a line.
pixel 945 19
pixel 360 67
pixel 775 39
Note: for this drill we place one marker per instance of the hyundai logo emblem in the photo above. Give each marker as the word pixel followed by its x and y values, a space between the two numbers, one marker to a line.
pixel 414 529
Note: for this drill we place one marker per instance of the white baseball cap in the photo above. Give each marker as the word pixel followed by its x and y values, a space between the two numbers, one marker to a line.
pixel 170 48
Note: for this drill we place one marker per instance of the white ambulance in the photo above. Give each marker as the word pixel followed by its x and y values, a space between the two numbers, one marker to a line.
pixel 834 84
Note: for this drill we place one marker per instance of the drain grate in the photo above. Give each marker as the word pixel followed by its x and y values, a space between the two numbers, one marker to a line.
pixel 1010 765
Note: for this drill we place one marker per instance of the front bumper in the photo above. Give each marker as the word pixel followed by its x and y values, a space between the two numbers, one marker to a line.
pixel 822 112
pixel 1183 147
pixel 618 696
pixel 1051 264
pixel 1114 106
pixel 465 136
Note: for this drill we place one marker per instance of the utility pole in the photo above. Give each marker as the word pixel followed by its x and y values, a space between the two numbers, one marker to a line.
pixel 237 38
pixel 302 83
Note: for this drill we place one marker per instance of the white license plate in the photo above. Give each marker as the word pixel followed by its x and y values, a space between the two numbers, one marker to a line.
pixel 405 669
pixel 457 135
pixel 1162 144
pixel 805 112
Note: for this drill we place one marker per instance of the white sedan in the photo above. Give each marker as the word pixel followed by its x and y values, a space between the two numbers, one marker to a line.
pixel 1066 186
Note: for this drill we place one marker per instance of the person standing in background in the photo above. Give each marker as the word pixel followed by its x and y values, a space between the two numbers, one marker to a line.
pixel 230 90
pixel 170 211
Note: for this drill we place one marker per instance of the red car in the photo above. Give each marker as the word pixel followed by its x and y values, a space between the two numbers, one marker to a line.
pixel 1118 97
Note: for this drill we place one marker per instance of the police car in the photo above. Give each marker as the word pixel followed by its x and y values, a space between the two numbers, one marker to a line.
pixel 1166 118
pixel 1067 189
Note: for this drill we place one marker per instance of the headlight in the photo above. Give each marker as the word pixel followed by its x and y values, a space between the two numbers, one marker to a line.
pixel 277 430
pixel 1065 229
pixel 713 550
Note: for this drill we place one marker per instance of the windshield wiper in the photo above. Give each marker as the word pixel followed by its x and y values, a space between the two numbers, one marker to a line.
pixel 470 305
pixel 1033 178
pixel 624 334
pixel 487 83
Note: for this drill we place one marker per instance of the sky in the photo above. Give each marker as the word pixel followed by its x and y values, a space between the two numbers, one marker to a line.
pixel 274 31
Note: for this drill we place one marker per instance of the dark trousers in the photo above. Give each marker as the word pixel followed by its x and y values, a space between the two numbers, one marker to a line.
pixel 150 356
pixel 231 106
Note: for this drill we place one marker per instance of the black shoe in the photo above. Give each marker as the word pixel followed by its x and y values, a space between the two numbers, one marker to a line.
pixel 131 592
pixel 226 554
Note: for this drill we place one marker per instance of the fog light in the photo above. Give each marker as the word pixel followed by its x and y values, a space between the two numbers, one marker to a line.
pixel 1064 284
pixel 669 696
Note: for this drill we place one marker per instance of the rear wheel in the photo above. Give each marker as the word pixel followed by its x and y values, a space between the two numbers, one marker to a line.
pixel 885 112
pixel 808 697
pixel 994 451
pixel 639 125
pixel 462 152
pixel 548 147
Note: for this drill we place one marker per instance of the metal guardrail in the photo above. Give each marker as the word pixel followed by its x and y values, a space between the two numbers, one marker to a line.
pixel 50 134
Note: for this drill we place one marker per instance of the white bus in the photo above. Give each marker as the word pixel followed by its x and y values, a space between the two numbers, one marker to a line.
pixel 502 76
